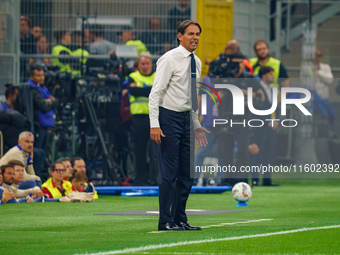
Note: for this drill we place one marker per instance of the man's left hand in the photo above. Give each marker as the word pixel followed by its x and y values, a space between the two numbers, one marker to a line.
pixel 200 136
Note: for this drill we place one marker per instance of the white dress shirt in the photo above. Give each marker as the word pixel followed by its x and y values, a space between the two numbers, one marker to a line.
pixel 324 78
pixel 172 85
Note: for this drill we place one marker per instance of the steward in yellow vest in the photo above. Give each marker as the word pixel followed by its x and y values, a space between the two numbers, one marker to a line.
pixel 61 49
pixel 53 189
pixel 263 59
pixel 76 68
pixel 77 50
pixel 55 186
pixel 140 45
pixel 129 39
pixel 139 87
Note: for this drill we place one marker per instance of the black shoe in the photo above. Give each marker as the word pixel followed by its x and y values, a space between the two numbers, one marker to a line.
pixel 186 226
pixel 168 227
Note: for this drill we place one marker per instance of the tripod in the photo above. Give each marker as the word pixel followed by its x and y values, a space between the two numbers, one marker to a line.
pixel 111 166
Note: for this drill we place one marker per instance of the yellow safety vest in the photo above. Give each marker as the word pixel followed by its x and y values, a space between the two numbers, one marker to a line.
pixel 273 63
pixel 140 105
pixel 140 45
pixel 55 61
pixel 67 186
pixel 79 52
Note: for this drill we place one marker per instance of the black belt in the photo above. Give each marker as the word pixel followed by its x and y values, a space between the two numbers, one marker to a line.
pixel 188 112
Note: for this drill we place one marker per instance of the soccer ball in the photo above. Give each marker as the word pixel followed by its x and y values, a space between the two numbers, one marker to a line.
pixel 241 192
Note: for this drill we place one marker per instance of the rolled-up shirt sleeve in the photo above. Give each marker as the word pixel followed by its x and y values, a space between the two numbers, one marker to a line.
pixel 164 72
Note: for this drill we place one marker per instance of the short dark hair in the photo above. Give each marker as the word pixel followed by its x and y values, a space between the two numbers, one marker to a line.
pixel 16 162
pixel 3 168
pixel 10 90
pixel 53 165
pixel 27 19
pixel 264 70
pixel 35 67
pixel 74 159
pixel 183 26
pixel 97 30
pixel 257 42
pixel 59 34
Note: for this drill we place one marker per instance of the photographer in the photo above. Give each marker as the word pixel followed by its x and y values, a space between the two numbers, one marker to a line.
pixel 230 69
pixel 43 104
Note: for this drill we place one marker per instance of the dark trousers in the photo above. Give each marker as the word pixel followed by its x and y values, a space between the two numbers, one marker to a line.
pixel 265 139
pixel 145 151
pixel 175 160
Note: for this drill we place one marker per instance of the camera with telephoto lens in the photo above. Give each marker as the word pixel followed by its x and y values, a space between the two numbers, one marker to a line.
pixel 224 67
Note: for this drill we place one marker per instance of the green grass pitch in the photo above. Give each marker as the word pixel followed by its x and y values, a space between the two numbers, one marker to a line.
pixel 72 228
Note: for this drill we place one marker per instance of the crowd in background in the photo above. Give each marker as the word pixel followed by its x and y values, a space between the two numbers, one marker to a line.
pixel 24 173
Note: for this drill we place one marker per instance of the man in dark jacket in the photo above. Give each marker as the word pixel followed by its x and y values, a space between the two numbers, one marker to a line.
pixel 43 104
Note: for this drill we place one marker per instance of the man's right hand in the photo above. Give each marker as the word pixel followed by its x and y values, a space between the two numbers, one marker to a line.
pixel 155 134
pixel 7 195
pixel 38 193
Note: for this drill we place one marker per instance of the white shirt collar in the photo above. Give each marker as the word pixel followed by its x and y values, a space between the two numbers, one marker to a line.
pixel 185 52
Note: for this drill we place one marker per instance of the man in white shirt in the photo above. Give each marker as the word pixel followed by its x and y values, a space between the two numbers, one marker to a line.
pixel 324 76
pixel 173 118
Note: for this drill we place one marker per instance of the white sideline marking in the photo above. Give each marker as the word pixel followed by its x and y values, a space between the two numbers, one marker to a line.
pixel 234 223
pixel 219 225
pixel 167 245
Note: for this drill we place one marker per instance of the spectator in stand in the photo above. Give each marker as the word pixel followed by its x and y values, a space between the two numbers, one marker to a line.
pixel 36 32
pixel 100 46
pixel 42 46
pixel 63 38
pixel 20 187
pixel 8 178
pixel 24 153
pixel 27 40
pixel 43 104
pixel 55 186
pixel 155 40
pixel 5 194
pixel 324 76
pixel 11 94
pixel 179 13
pixel 128 37
pixel 27 46
pixel 68 166
pixel 79 166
